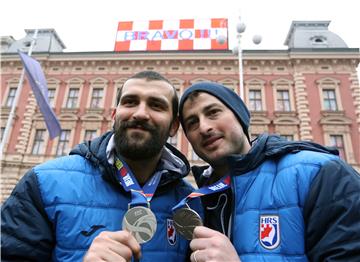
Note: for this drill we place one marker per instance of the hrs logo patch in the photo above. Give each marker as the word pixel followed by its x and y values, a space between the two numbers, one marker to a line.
pixel 171 232
pixel 269 231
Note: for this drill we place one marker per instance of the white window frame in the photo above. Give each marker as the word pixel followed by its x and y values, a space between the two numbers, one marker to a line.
pixel 98 83
pixel 329 84
pixel 255 84
pixel 73 83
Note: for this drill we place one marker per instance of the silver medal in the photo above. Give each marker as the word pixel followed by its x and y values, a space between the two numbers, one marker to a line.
pixel 140 222
pixel 185 220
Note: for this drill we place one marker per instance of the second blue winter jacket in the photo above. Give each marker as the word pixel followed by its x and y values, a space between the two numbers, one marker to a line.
pixel 293 201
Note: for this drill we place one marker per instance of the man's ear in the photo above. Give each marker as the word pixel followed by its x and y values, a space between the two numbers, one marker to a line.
pixel 113 114
pixel 174 126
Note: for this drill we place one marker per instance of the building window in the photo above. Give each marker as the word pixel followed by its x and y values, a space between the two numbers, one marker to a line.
pixel 11 97
pixel 329 97
pixel 63 143
pixel 283 100
pixel 338 142
pixel 72 98
pixel 177 84
pixel 288 137
pixel 89 135
pixel 96 98
pixel 172 140
pixel 255 103
pixel 38 142
pixel 229 84
pixel 318 40
pixel 51 96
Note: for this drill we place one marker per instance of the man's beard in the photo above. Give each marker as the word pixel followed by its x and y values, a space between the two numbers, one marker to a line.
pixel 130 147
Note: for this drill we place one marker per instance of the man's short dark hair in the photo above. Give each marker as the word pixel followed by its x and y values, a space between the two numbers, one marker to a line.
pixel 153 76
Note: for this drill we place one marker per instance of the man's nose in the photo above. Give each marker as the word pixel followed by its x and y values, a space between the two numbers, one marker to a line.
pixel 141 112
pixel 205 126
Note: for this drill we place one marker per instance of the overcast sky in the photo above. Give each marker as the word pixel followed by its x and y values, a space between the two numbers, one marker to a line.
pixel 86 25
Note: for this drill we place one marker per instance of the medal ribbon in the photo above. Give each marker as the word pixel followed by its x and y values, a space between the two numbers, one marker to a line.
pixel 139 196
pixel 218 186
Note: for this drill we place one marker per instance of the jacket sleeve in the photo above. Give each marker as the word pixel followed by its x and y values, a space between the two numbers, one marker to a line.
pixel 26 232
pixel 332 214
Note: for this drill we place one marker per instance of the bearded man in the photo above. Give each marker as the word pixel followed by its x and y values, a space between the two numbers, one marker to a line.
pixel 110 194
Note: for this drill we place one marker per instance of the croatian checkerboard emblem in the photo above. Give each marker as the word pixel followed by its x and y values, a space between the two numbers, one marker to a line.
pixel 269 232
pixel 171 232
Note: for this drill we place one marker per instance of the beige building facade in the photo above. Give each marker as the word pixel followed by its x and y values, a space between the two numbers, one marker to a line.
pixel 309 91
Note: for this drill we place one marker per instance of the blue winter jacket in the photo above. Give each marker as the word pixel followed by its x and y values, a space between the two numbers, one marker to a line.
pixel 293 201
pixel 59 207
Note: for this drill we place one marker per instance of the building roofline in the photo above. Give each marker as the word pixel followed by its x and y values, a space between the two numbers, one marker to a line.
pixel 296 23
pixel 47 30
pixel 283 54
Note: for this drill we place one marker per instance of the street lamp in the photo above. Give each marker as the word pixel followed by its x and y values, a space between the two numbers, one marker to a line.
pixel 237 50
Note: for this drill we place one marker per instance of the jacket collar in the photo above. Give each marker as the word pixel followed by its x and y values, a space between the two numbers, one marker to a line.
pixel 263 147
pixel 100 152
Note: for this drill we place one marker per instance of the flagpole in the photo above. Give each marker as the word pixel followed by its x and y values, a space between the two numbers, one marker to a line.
pixel 16 98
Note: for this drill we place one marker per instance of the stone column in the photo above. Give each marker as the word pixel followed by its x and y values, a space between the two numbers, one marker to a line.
pixel 355 91
pixel 26 125
pixel 302 107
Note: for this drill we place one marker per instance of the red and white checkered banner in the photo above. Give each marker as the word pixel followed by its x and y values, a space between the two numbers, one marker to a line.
pixel 183 34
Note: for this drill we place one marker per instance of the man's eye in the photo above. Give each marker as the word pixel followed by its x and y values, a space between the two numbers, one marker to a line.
pixel 214 112
pixel 191 124
pixel 158 106
pixel 128 102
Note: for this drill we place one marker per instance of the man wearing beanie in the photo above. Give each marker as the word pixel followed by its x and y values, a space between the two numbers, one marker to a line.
pixel 269 200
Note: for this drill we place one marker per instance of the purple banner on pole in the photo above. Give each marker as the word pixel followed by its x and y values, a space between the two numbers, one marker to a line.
pixel 38 84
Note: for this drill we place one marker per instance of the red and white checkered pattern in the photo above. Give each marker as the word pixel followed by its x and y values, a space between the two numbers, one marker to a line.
pixel 184 34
